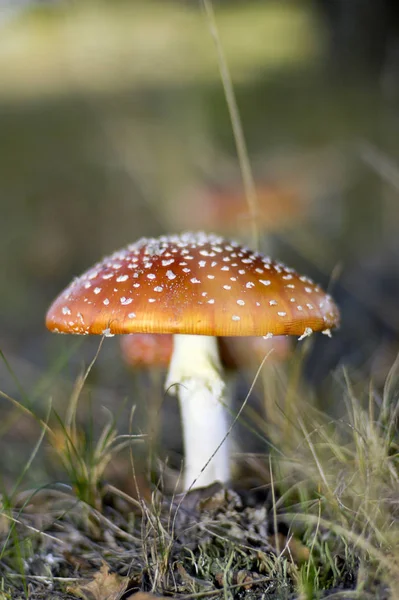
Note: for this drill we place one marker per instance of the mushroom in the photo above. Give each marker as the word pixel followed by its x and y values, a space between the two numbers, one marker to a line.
pixel 147 350
pixel 279 206
pixel 195 286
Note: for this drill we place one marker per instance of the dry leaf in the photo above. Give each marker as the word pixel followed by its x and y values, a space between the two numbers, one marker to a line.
pixel 104 586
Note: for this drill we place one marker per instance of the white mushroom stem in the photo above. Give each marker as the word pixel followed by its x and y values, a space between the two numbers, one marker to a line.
pixel 195 376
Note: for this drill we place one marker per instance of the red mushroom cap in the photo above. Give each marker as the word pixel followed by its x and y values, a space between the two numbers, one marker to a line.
pixel 191 283
pixel 147 349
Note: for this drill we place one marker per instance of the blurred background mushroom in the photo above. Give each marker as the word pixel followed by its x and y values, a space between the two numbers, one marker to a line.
pixel 149 350
pixel 150 354
pixel 114 125
pixel 290 190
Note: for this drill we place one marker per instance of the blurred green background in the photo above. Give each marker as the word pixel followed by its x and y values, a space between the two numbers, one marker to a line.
pixel 113 125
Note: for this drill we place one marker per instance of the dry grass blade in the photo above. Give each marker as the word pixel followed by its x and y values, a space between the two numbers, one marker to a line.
pixel 384 559
pixel 239 138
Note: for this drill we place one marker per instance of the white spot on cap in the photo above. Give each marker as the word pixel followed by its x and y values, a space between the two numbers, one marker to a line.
pixel 151 276
pixel 166 263
pixel 235 318
pixel 186 270
pixel 268 336
pixel 227 287
pixel 136 285
pixel 282 314
pixel 272 302
pixel 122 278
pixel 211 301
pixel 308 331
pixel 66 310
pixel 107 332
pixel 158 288
pixel 170 275
pixel 250 284
pixel 126 301
pixel 225 268
pixel 264 281
pixel 202 263
pixel 151 300
pixel 241 302
pixel 132 315
pixel 211 276
pixel 195 280
pixel 106 301
pixel 97 290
